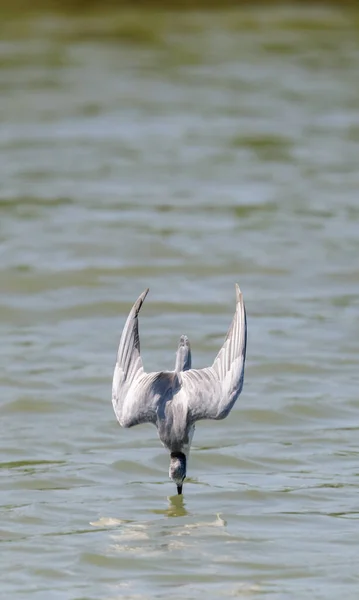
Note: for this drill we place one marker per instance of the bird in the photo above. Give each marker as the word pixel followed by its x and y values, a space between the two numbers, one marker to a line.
pixel 175 400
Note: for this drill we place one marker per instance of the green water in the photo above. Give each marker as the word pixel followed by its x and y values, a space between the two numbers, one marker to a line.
pixel 184 152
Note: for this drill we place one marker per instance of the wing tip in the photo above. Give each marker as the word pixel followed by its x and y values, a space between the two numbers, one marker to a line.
pixel 240 306
pixel 239 294
pixel 140 301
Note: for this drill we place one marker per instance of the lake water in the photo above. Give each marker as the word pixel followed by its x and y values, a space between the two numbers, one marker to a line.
pixel 184 152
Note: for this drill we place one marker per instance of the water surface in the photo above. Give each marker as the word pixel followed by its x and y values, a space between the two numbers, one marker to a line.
pixel 182 152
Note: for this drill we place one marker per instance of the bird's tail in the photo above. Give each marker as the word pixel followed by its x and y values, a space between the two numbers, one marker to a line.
pixel 183 356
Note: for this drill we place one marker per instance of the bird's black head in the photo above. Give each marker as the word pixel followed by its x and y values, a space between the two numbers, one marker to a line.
pixel 177 470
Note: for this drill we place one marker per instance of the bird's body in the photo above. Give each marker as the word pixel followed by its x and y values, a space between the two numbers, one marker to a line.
pixel 174 400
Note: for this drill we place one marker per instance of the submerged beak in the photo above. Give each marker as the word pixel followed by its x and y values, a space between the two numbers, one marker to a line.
pixel 179 489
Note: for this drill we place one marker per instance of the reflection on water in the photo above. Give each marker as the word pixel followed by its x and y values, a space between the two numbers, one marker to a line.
pixel 181 151
pixel 176 507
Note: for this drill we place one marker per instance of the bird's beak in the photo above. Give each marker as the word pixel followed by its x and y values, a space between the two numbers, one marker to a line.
pixel 179 489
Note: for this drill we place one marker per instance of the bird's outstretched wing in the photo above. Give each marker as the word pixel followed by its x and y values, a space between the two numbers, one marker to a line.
pixel 212 392
pixel 137 396
pixel 183 355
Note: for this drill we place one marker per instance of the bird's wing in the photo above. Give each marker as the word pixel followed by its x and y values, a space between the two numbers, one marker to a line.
pixel 212 392
pixel 183 355
pixel 136 395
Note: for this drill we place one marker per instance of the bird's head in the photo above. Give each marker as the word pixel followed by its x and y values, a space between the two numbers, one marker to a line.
pixel 177 470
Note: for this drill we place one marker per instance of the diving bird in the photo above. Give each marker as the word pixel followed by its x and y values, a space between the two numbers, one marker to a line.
pixel 174 400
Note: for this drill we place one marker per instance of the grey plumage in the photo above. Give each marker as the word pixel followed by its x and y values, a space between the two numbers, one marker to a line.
pixel 175 400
